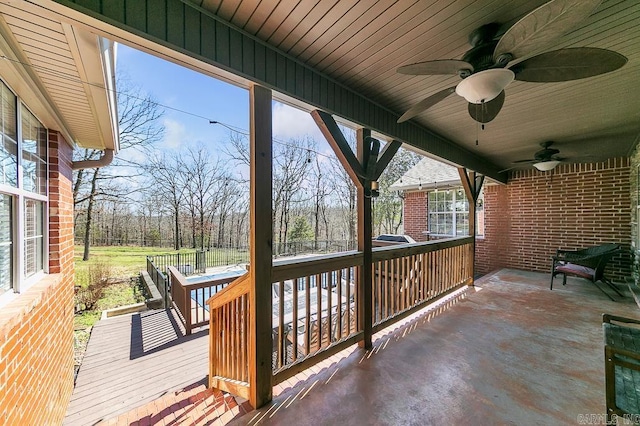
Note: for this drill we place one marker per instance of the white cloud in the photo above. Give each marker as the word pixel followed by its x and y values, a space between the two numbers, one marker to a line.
pixel 175 134
pixel 292 123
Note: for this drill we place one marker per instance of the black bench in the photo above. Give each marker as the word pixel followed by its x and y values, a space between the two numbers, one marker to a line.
pixel 588 263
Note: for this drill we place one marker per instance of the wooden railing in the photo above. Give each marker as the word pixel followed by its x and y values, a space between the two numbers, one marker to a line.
pixel 407 277
pixel 228 338
pixel 195 262
pixel 314 308
pixel 316 304
pixel 189 297
pixel 159 280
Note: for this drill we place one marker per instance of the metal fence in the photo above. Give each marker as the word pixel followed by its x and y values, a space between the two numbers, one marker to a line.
pixel 197 261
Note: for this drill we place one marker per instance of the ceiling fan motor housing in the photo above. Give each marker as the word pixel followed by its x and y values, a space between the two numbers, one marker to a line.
pixel 481 57
pixel 484 34
pixel 546 153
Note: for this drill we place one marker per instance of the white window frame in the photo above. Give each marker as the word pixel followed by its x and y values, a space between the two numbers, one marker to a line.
pixel 20 282
pixel 454 213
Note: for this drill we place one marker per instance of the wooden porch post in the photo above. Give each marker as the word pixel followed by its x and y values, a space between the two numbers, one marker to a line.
pixel 364 168
pixel 365 227
pixel 472 185
pixel 260 246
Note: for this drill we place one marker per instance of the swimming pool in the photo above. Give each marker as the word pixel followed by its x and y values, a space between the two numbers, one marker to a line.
pixel 202 294
pixel 216 276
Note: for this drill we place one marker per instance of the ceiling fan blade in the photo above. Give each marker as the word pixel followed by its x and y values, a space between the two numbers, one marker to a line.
pixel 510 168
pixel 487 111
pixel 426 103
pixel 524 161
pixel 568 64
pixel 443 66
pixel 542 25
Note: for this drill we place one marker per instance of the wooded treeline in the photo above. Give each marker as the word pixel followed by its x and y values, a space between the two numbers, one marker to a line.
pixel 198 197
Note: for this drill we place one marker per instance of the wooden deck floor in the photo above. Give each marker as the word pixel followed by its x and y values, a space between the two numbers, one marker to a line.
pixel 132 360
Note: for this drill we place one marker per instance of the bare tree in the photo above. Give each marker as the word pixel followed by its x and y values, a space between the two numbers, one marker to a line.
pixel 166 178
pixel 230 201
pixel 138 116
pixel 291 164
pixel 387 214
pixel 203 182
pixel 320 192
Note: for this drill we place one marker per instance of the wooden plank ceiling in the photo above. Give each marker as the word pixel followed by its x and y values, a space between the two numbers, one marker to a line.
pixel 361 43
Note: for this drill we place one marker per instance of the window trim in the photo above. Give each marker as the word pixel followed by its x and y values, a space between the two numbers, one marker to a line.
pixel 20 282
pixel 454 212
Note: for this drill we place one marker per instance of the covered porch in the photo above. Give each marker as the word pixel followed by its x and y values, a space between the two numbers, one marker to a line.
pixel 513 354
pixel 508 350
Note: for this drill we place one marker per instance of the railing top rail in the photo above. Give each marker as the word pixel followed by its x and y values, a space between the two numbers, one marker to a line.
pixel 231 292
pixel 392 252
pixel 177 276
pixel 211 283
pixel 285 269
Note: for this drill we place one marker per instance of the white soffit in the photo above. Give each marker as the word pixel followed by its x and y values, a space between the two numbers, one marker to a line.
pixel 58 71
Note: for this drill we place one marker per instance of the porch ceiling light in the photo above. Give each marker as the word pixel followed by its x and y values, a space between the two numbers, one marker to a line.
pixel 484 85
pixel 545 166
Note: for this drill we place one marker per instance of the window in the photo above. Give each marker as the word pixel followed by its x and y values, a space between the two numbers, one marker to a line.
pixel 9 146
pixel 448 212
pixel 23 194
pixel 34 153
pixel 6 258
pixel 33 237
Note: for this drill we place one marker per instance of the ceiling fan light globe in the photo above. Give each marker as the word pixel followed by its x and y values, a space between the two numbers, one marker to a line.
pixel 484 85
pixel 545 166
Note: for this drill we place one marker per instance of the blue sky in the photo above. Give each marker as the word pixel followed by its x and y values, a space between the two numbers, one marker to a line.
pixel 196 94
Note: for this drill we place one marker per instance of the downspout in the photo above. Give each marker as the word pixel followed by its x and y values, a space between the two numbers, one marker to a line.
pixel 105 160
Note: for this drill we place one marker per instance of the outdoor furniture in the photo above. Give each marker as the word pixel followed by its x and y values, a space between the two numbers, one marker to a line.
pixel 588 263
pixel 622 364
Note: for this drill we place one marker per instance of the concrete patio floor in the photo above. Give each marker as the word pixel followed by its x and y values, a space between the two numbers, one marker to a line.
pixel 510 352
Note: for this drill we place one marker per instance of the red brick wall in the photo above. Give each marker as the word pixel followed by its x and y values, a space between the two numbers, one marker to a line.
pixel 490 248
pixel 60 205
pixel 415 215
pixel 36 328
pixel 578 205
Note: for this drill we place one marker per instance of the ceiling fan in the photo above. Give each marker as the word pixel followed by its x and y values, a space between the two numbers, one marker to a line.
pixel 544 160
pixel 484 71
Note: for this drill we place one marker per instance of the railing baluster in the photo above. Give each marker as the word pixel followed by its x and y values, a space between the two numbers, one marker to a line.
pixel 319 310
pixel 307 319
pixel 281 347
pixel 294 321
pixel 348 289
pixel 339 304
pixel 330 317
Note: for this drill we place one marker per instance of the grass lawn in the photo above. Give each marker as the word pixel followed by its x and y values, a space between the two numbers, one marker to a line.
pixel 123 265
pixel 125 261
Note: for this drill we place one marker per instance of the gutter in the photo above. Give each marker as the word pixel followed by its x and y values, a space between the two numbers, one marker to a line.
pixel 105 160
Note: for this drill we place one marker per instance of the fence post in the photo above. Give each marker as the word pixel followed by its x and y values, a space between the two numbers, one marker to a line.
pixel 200 264
pixel 167 303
